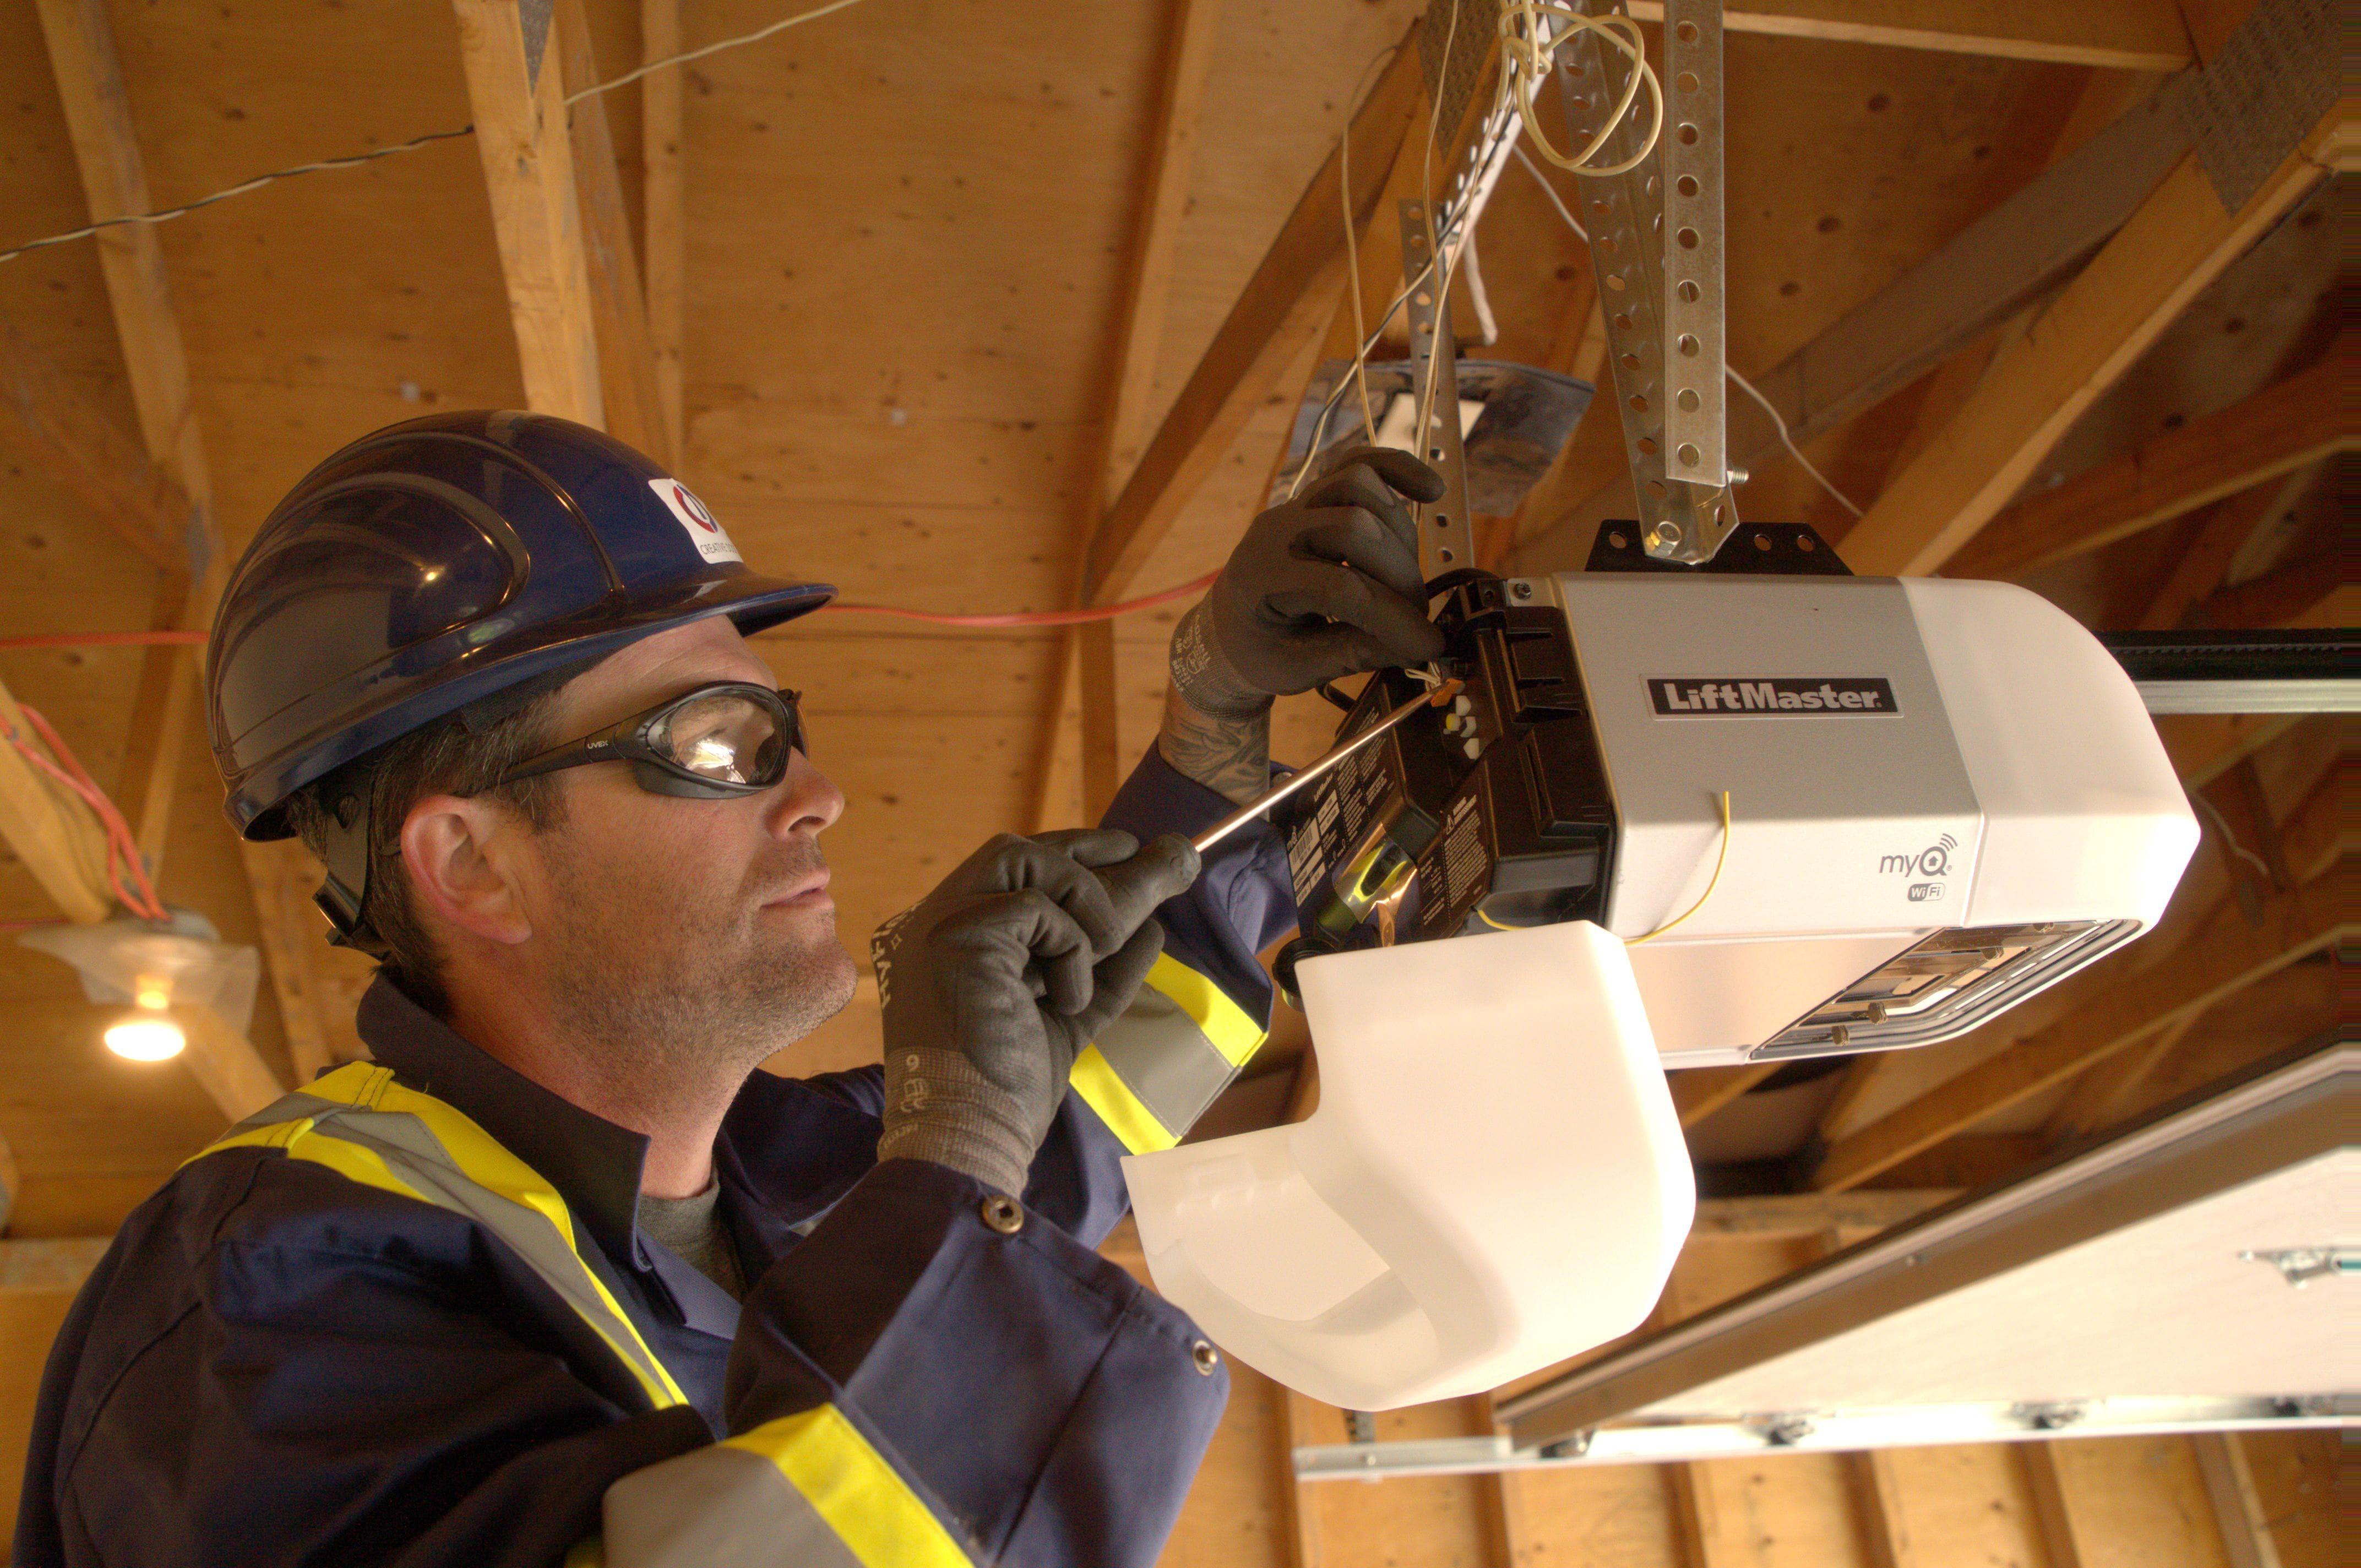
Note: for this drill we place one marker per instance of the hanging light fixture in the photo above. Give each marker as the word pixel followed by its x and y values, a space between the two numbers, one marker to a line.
pixel 155 969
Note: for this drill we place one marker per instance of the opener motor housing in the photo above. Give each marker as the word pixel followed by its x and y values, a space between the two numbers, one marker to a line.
pixel 1945 796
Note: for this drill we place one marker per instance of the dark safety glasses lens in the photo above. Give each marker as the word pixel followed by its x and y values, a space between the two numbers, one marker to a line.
pixel 729 737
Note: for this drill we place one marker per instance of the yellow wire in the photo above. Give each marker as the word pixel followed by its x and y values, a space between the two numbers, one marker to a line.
pixel 1492 923
pixel 1718 861
pixel 1531 55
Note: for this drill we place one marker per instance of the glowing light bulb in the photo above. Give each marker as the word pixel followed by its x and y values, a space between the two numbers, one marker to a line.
pixel 154 995
pixel 146 1039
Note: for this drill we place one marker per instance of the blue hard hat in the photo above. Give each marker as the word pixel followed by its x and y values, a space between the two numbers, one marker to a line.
pixel 438 562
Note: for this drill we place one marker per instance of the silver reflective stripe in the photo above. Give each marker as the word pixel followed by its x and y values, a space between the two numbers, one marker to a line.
pixel 415 1156
pixel 1164 1057
pixel 717 1507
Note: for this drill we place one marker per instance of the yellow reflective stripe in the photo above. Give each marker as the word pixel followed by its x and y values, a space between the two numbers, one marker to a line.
pixel 1104 1092
pixel 479 1157
pixel 850 1484
pixel 589 1552
pixel 1228 1027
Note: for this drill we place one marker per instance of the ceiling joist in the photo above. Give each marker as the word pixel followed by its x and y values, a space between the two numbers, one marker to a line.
pixel 2294 424
pixel 2119 34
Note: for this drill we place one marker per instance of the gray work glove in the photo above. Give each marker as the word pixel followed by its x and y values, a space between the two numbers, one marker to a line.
pixel 1323 585
pixel 992 983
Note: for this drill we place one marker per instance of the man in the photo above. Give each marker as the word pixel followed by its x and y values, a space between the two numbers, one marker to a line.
pixel 559 1277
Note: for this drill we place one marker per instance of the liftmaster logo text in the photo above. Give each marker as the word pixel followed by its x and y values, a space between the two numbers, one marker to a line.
pixel 1768 696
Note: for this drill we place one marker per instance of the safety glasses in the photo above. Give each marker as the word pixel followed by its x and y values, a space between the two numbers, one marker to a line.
pixel 722 739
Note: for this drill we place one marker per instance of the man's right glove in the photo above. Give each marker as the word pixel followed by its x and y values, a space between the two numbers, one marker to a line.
pixel 1321 586
pixel 992 983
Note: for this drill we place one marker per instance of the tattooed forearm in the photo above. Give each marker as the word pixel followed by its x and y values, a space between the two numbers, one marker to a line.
pixel 1229 756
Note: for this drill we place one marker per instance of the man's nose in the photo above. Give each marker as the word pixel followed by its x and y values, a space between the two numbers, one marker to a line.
pixel 806 802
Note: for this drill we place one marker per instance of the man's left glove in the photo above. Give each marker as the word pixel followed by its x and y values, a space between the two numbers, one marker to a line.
pixel 992 983
pixel 1323 585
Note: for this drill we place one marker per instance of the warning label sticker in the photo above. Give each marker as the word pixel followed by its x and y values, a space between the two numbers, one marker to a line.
pixel 694 521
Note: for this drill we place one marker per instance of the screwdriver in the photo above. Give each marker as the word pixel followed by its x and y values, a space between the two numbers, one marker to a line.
pixel 1440 696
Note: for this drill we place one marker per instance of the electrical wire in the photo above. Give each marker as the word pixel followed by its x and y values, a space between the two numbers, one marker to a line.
pixel 166 215
pixel 757 36
pixel 1037 616
pixel 1531 52
pixel 1719 860
pixel 1789 441
pixel 122 848
pixel 413 143
pixel 2229 838
pixel 1786 439
pixel 1551 192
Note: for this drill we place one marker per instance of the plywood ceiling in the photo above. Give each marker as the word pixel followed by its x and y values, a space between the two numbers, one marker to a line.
pixel 907 230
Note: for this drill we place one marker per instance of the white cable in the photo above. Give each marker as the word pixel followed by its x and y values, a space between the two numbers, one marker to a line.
pixel 1744 385
pixel 413 143
pixel 2229 838
pixel 255 183
pixel 1526 58
pixel 1551 192
pixel 757 36
pixel 1789 441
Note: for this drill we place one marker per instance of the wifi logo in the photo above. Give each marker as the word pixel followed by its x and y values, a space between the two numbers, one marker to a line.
pixel 1936 859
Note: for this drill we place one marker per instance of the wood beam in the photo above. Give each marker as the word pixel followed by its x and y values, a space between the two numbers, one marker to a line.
pixel 1993 269
pixel 81 41
pixel 1303 1421
pixel 2222 956
pixel 2177 243
pixel 2097 1099
pixel 627 363
pixel 53 429
pixel 225 1064
pixel 2220 534
pixel 1281 310
pixel 2294 424
pixel 2238 1511
pixel 56 1265
pixel 56 841
pixel 2311 591
pixel 2062 1545
pixel 1086 653
pixel 1101 739
pixel 2203 746
pixel 2117 35
pixel 1698 1092
pixel 1807 1214
pixel 1877 1502
pixel 514 89
pixel 665 217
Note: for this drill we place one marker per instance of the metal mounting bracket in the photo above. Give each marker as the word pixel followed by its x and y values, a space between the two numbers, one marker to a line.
pixel 1446 534
pixel 1685 511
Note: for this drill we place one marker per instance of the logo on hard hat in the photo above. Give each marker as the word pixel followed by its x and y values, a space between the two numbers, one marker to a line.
pixel 703 531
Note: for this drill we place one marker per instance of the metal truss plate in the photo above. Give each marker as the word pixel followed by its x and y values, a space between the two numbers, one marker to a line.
pixel 1446 534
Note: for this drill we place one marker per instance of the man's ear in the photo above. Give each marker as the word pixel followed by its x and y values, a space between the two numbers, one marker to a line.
pixel 460 852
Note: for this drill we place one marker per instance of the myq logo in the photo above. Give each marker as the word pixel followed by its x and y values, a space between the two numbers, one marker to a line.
pixel 1934 861
pixel 1768 696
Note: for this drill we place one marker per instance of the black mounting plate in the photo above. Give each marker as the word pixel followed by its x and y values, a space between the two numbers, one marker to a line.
pixel 1752 549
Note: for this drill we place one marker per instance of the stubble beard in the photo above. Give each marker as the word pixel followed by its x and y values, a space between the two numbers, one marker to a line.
pixel 683 994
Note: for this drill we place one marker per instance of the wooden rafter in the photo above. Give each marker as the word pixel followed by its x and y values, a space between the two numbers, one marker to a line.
pixel 1086 656
pixel 58 842
pixel 2291 425
pixel 1700 1091
pixel 2204 560
pixel 619 314
pixel 665 217
pixel 56 431
pixel 514 86
pixel 81 42
pixel 2119 34
pixel 2178 242
pixel 2222 956
pixel 1281 309
pixel 1989 273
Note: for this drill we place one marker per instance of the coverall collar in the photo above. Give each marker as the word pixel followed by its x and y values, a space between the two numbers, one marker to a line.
pixel 594 1164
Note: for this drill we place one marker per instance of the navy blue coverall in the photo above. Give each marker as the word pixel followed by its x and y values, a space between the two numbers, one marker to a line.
pixel 356 1333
